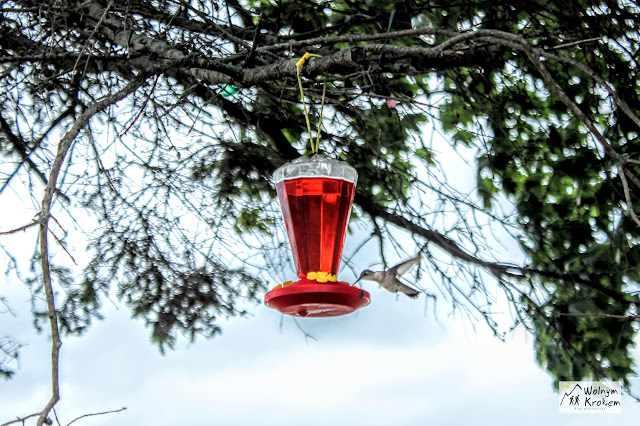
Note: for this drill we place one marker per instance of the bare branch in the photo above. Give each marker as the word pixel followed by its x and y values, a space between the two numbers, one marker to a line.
pixel 63 247
pixel 96 414
pixel 575 43
pixel 20 419
pixel 22 228
pixel 597 314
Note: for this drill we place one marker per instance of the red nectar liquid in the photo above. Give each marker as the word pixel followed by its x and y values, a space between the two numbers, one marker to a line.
pixel 316 211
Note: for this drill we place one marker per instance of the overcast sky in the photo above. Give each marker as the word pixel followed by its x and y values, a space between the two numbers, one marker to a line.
pixel 390 363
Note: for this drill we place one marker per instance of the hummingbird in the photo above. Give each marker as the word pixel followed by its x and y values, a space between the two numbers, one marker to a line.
pixel 389 279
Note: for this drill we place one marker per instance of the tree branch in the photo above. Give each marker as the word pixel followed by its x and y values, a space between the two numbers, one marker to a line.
pixel 45 215
pixel 23 150
pixel 96 414
pixel 620 317
pixel 497 269
pixel 22 228
pixel 20 419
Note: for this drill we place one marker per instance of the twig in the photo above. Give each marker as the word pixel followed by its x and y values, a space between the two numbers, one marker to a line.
pixel 620 317
pixel 575 43
pixel 63 247
pixel 303 332
pixel 627 194
pixel 22 228
pixel 83 4
pixel 252 53
pixel 55 414
pixel 58 223
pixel 90 38
pixel 20 420
pixel 97 414
pixel 140 111
pixel 20 146
pixel 101 167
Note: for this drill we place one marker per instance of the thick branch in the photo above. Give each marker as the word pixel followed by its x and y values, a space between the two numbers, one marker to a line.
pixel 344 61
pixel 145 52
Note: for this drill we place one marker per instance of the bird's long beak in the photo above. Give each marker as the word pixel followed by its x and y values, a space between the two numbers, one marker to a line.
pixel 356 281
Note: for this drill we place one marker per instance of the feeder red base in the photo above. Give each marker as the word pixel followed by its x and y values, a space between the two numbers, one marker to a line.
pixel 307 298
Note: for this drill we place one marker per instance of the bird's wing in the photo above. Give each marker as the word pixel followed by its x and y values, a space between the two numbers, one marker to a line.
pixel 409 291
pixel 404 267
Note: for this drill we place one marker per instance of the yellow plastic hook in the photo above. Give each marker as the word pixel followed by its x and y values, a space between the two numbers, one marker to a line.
pixel 299 65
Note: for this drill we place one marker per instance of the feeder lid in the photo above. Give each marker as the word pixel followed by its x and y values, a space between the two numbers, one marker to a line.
pixel 307 298
pixel 316 166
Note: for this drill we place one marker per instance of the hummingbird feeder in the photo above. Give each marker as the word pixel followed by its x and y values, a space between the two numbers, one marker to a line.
pixel 316 195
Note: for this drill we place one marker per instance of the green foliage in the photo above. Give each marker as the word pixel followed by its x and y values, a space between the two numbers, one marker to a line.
pixel 570 204
pixel 8 355
pixel 251 219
